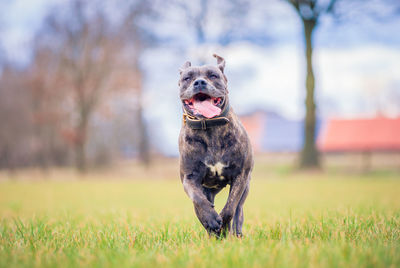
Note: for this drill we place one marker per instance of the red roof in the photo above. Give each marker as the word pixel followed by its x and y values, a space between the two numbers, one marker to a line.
pixel 377 134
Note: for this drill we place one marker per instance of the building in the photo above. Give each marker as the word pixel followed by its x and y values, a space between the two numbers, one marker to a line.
pixel 271 132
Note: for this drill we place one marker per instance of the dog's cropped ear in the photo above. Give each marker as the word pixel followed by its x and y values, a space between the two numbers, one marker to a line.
pixel 220 62
pixel 185 66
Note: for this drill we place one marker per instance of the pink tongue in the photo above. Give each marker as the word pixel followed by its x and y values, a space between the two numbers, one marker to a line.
pixel 206 108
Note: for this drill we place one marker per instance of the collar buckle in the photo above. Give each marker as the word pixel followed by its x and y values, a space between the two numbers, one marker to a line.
pixel 203 124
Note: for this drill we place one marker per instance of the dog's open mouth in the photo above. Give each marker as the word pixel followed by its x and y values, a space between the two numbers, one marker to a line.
pixel 205 105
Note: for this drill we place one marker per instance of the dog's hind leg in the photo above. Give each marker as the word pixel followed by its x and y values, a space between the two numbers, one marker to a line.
pixel 235 194
pixel 238 217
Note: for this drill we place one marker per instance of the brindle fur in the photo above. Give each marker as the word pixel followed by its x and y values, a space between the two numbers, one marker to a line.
pixel 214 158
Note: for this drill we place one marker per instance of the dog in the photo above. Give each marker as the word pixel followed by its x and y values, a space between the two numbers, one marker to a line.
pixel 215 150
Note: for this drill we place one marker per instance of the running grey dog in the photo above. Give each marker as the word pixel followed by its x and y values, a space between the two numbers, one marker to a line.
pixel 214 148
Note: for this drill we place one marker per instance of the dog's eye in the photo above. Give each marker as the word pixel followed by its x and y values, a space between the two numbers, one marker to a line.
pixel 213 76
pixel 187 78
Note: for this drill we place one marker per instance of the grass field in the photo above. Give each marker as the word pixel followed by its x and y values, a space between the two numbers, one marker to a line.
pixel 291 220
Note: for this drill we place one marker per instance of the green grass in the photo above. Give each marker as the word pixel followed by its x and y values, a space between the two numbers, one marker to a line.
pixel 291 220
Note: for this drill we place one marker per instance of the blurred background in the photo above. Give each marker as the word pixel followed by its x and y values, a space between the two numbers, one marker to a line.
pixel 89 84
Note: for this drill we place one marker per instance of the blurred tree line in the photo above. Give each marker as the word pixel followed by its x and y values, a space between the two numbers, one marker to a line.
pixel 81 56
pixel 85 69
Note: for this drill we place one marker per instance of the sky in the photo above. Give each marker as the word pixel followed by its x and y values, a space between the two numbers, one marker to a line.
pixel 19 20
pixel 357 65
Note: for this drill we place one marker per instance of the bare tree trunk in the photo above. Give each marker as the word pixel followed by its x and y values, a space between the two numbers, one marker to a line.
pixel 42 154
pixel 309 155
pixel 143 143
pixel 80 152
pixel 80 146
pixel 144 150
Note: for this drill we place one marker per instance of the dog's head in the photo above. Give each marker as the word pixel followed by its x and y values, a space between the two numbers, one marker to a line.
pixel 203 89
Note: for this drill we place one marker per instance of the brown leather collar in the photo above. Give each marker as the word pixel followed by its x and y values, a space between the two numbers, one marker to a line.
pixel 205 123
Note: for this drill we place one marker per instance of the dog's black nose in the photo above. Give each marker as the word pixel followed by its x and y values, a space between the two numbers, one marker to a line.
pixel 199 84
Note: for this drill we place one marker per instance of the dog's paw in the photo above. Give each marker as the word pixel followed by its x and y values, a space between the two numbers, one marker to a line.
pixel 213 223
pixel 226 216
pixel 239 235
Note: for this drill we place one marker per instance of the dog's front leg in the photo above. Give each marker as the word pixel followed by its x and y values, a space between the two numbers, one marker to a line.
pixel 204 209
pixel 235 194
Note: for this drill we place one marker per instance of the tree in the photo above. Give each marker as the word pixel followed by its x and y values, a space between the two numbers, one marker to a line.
pixel 310 12
pixel 91 51
pixel 207 22
pixel 86 59
pixel 43 80
pixel 135 34
pixel 15 142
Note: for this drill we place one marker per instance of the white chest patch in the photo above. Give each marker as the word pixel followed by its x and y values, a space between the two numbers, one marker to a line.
pixel 216 169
